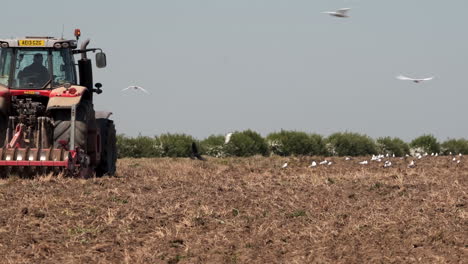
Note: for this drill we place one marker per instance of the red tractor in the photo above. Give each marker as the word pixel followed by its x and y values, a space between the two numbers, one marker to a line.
pixel 47 117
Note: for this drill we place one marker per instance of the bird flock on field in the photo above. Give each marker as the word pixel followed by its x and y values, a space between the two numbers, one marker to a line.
pixel 385 161
pixel 340 13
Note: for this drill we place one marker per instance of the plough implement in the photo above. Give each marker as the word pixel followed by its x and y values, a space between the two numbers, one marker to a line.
pixel 47 118
pixel 26 156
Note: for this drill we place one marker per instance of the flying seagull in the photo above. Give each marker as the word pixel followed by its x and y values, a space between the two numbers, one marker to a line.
pixel 404 78
pixel 343 12
pixel 227 138
pixel 134 87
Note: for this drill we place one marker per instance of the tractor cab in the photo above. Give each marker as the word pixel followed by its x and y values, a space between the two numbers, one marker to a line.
pixel 40 62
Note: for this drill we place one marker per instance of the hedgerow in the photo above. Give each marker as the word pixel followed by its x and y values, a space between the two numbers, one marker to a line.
pixel 396 146
pixel 455 146
pixel 428 143
pixel 245 144
pixel 284 143
pixel 287 143
pixel 351 144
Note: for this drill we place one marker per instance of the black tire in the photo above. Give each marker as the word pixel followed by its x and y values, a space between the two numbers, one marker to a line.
pixel 3 129
pixel 109 148
pixel 62 126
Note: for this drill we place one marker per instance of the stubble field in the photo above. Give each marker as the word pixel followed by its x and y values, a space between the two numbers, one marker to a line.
pixel 241 210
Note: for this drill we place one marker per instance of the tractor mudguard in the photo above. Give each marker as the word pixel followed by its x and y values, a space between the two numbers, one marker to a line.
pixel 102 114
pixel 63 98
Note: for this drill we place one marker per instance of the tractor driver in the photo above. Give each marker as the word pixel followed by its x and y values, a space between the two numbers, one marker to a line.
pixel 35 74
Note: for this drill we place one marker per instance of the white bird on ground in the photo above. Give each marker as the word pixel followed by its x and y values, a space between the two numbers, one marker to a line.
pixel 323 162
pixel 404 78
pixel 284 165
pixel 343 12
pixel 412 164
pixel 365 162
pixel 459 154
pixel 137 88
pixel 437 154
pixel 314 164
pixel 458 161
pixel 347 158
pixel 454 159
pixel 387 164
pixel 227 138
pixel 329 163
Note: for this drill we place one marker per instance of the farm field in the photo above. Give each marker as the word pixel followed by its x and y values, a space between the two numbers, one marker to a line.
pixel 241 210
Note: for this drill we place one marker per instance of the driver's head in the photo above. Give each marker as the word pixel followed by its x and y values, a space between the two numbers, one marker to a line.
pixel 38 58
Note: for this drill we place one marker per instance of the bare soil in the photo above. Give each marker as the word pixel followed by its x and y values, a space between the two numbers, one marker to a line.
pixel 241 211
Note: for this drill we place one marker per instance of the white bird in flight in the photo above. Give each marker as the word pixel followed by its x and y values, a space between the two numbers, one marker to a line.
pixel 343 12
pixel 404 78
pixel 134 87
pixel 227 138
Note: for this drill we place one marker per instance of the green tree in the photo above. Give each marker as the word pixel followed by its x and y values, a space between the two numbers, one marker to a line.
pixel 246 143
pixel 286 143
pixel 455 146
pixel 427 143
pixel 213 146
pixel 392 146
pixel 176 145
pixel 351 144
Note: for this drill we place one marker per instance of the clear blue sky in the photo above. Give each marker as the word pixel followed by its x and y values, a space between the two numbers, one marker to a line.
pixel 214 66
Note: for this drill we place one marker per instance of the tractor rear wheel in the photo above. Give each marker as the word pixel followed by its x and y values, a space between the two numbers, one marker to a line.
pixel 108 148
pixel 62 126
pixel 3 129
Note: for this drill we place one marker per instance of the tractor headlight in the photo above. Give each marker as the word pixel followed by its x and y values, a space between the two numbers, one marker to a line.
pixel 65 45
pixel 4 44
pixel 57 45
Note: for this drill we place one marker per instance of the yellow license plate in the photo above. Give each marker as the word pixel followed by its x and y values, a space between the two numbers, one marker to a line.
pixel 32 42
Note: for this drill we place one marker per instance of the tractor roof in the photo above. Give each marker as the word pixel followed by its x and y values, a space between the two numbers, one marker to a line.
pixel 38 42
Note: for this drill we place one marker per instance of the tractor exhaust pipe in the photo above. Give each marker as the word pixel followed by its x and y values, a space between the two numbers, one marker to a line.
pixel 83 48
pixel 85 70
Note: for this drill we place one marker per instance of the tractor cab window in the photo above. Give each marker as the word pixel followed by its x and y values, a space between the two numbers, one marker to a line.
pixel 42 68
pixel 32 69
pixel 63 67
pixel 5 65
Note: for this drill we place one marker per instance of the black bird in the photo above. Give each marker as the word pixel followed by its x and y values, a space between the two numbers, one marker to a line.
pixel 195 153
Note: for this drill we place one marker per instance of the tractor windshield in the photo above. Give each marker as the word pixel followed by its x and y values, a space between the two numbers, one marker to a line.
pixel 36 68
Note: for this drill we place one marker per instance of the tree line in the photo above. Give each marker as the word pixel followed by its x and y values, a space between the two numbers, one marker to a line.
pixel 284 143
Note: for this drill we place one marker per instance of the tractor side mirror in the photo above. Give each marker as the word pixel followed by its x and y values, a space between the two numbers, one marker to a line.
pixel 101 60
